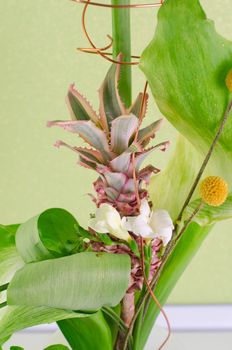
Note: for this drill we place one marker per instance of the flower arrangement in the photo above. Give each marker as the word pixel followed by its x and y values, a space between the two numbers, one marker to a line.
pixel 148 223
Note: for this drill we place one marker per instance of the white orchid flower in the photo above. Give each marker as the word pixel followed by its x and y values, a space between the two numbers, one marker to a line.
pixel 108 220
pixel 150 224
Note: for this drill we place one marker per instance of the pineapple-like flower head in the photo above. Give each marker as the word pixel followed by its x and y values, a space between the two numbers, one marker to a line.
pixel 113 135
pixel 117 147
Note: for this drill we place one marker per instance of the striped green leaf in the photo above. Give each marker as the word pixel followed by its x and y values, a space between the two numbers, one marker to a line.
pixel 84 281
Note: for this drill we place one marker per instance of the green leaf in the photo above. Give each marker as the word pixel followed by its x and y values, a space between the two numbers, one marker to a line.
pixel 92 333
pixel 79 107
pixel 186 248
pixel 111 105
pixel 16 318
pixel 186 65
pixel 207 214
pixel 57 347
pixel 16 348
pixel 84 281
pixel 10 260
pixel 53 233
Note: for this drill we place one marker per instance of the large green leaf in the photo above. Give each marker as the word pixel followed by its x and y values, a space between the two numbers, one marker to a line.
pixel 186 64
pixel 53 233
pixel 208 215
pixel 186 248
pixel 84 281
pixel 92 333
pixel 10 260
pixel 16 318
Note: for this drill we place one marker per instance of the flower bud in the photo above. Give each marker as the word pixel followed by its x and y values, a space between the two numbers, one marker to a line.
pixel 214 190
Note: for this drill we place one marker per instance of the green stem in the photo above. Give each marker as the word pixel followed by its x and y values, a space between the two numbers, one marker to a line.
pixel 122 44
pixel 137 329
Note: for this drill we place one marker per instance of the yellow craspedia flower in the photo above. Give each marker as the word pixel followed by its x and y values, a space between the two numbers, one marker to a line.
pixel 214 190
pixel 229 81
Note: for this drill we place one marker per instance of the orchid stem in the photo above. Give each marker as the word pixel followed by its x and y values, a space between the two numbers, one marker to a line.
pixel 122 44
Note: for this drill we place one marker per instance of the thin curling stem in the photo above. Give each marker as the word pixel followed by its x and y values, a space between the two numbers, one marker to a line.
pixel 207 158
pixel 115 9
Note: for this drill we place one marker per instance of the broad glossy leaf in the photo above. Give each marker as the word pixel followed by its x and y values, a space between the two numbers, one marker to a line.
pixel 186 64
pixel 84 281
pixel 187 247
pixel 207 214
pixel 53 233
pixel 16 348
pixel 122 130
pixel 79 107
pixel 111 105
pixel 92 333
pixel 57 347
pixel 16 318
pixel 89 132
pixel 10 260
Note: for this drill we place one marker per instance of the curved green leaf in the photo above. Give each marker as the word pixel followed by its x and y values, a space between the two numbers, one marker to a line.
pixel 53 233
pixel 186 64
pixel 16 348
pixel 92 333
pixel 16 318
pixel 10 260
pixel 84 281
pixel 208 215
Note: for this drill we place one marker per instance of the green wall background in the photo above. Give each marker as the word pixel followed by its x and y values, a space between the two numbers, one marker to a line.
pixel 38 61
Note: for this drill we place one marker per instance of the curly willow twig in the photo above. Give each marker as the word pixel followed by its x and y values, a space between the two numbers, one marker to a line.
pixel 101 51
